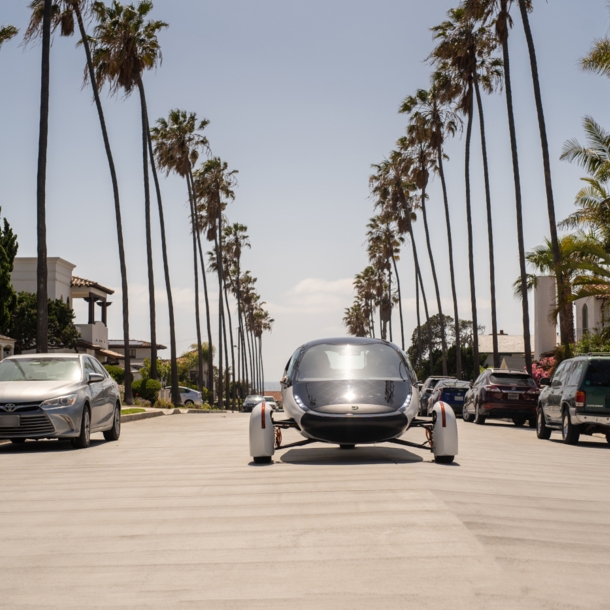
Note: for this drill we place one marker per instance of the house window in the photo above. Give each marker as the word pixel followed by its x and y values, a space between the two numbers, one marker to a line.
pixel 132 353
pixel 585 319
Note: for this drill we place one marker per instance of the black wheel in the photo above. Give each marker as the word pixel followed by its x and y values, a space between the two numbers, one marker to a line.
pixel 346 446
pixel 531 422
pixel 543 432
pixel 569 432
pixel 519 421
pixel 478 418
pixel 444 459
pixel 608 437
pixel 17 441
pixel 189 403
pixel 264 459
pixel 83 440
pixel 465 415
pixel 114 432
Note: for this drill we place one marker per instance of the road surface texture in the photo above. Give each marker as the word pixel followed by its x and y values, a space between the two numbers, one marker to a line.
pixel 174 515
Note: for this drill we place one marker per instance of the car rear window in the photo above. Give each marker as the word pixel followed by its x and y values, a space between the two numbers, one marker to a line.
pixel 512 379
pixel 598 373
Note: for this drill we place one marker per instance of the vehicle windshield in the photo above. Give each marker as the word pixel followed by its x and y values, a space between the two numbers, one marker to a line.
pixel 452 385
pixel 598 373
pixel 40 369
pixel 512 379
pixel 254 398
pixel 269 398
pixel 373 361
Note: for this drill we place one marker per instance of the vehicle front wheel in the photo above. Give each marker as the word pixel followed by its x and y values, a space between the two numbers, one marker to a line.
pixel 519 421
pixel 444 459
pixel 569 432
pixel 189 403
pixel 17 441
pixel 543 432
pixel 346 446
pixel 608 437
pixel 264 459
pixel 83 440
pixel 465 415
pixel 114 432
pixel 478 418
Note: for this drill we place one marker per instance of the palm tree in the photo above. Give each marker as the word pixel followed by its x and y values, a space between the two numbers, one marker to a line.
pixel 432 107
pixel 7 32
pixel 125 45
pixel 356 320
pixel 214 185
pixel 177 148
pixel 63 15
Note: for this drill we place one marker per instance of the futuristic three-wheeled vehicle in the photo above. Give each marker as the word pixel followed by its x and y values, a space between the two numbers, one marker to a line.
pixel 351 391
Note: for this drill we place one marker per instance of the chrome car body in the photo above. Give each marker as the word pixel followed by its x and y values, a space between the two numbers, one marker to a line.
pixel 350 391
pixel 35 405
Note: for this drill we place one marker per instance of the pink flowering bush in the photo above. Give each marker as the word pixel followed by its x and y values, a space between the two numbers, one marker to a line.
pixel 543 368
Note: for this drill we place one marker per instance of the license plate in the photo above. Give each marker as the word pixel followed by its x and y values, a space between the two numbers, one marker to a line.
pixel 9 421
pixel 459 399
pixel 513 396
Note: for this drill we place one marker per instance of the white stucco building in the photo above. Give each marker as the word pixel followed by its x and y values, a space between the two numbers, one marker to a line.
pixel 7 346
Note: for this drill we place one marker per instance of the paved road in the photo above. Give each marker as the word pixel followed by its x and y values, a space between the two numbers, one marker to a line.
pixel 174 516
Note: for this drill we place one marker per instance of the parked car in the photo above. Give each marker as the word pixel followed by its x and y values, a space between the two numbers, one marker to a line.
pixel 251 401
pixel 451 392
pixel 576 400
pixel 502 394
pixel 271 402
pixel 64 396
pixel 189 396
pixel 426 391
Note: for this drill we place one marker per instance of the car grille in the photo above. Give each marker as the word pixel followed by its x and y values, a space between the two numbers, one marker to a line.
pixel 30 425
pixel 23 407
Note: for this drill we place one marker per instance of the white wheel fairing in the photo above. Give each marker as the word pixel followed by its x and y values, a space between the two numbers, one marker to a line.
pixel 262 434
pixel 444 433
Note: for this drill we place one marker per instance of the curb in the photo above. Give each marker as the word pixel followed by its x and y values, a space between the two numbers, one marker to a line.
pixel 138 416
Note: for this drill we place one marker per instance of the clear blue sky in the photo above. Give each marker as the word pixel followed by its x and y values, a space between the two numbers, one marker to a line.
pixel 302 98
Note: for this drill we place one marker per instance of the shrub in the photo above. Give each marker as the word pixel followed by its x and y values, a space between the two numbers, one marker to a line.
pixel 163 404
pixel 116 372
pixel 148 389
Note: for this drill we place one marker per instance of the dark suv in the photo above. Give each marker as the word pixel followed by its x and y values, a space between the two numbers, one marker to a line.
pixel 426 392
pixel 577 399
pixel 502 394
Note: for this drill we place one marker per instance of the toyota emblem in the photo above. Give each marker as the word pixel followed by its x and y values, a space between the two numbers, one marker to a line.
pixel 10 408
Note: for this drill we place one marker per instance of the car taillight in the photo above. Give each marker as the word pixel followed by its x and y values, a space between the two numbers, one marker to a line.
pixel 493 392
pixel 580 398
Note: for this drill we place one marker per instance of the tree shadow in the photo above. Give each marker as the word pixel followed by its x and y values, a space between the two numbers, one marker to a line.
pixel 334 456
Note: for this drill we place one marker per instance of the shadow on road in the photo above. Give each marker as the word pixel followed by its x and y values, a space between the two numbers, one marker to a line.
pixel 333 456
pixel 44 446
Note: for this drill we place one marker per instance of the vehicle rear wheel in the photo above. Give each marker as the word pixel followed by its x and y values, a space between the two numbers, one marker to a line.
pixel 444 459
pixel 114 432
pixel 519 421
pixel 264 459
pixel 17 441
pixel 478 418
pixel 543 432
pixel 83 440
pixel 531 422
pixel 346 446
pixel 569 432
pixel 189 403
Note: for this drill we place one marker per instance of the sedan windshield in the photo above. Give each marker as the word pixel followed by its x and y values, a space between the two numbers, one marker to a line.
pixel 40 369
pixel 512 379
pixel 254 398
pixel 373 361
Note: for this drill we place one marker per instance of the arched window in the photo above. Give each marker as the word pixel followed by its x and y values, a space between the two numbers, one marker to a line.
pixel 585 318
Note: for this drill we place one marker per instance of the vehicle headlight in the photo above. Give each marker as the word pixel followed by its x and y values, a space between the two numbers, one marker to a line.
pixel 406 404
pixel 299 402
pixel 62 401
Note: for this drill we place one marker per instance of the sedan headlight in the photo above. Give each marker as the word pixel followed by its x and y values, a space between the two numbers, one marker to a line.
pixel 299 402
pixel 62 401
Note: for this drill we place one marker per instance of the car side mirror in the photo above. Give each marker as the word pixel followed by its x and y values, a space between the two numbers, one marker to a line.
pixel 95 378
pixel 545 381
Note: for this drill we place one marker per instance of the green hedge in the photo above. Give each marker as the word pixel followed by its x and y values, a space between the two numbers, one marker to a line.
pixel 148 389
pixel 116 372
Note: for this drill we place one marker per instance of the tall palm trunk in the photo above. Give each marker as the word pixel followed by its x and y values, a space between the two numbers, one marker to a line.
pixel 419 341
pixel 220 307
pixel 490 235
pixel 518 201
pixel 473 294
pixel 390 301
pixel 149 257
pixel 260 347
pixel 210 376
pixel 117 203
pixel 174 382
pixel 566 326
pixel 195 232
pixel 456 315
pixel 42 299
pixel 232 348
pixel 435 278
pixel 402 328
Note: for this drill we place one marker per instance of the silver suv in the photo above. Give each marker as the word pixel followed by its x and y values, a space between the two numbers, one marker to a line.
pixel 65 396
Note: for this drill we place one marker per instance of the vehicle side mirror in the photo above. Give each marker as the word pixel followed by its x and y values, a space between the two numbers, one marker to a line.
pixel 545 381
pixel 95 378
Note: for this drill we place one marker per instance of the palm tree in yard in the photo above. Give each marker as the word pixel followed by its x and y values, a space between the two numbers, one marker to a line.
pixel 7 32
pixel 177 146
pixel 365 285
pixel 64 14
pixel 498 12
pixel 125 44
pixel 433 107
pixel 214 185
pixel 356 320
